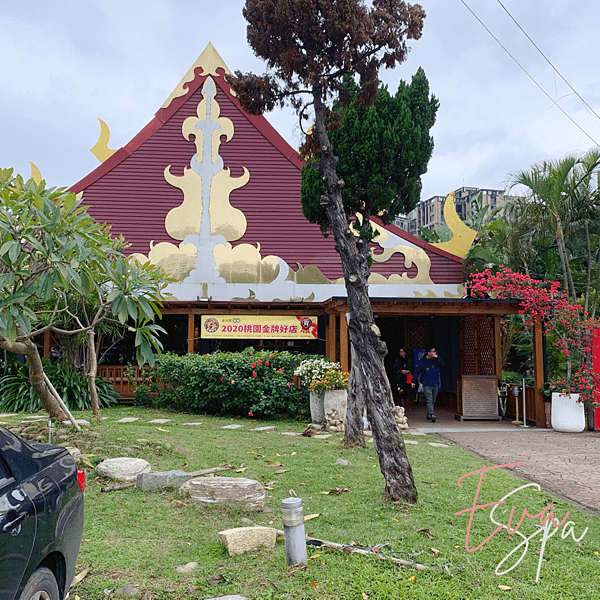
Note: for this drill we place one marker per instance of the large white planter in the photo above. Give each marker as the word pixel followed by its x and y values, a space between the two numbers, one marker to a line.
pixel 568 415
pixel 317 407
pixel 323 402
pixel 338 400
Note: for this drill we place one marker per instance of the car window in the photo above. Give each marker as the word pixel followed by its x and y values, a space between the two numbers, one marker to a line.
pixel 5 475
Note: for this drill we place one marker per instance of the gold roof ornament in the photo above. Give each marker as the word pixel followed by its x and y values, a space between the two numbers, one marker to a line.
pixel 462 235
pixel 101 150
pixel 209 61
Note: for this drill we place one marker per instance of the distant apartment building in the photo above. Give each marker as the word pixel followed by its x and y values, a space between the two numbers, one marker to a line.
pixel 429 213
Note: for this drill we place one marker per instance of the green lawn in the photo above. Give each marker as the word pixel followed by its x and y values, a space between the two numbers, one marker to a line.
pixel 135 538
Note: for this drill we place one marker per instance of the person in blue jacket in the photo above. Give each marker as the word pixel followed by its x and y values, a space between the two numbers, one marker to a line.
pixel 428 373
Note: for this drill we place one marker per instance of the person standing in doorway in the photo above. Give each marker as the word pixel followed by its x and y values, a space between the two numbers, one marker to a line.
pixel 402 369
pixel 428 373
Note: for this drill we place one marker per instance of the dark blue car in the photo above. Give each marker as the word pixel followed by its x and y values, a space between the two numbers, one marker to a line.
pixel 41 519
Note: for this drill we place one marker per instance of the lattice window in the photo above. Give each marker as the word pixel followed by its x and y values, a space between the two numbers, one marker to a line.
pixel 486 346
pixel 417 335
pixel 469 346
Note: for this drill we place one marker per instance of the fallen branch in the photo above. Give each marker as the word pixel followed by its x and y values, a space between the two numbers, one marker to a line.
pixel 118 486
pixel 310 541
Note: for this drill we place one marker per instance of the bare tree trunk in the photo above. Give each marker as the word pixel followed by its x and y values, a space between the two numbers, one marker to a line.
pixel 92 371
pixel 369 350
pixel 562 251
pixel 354 431
pixel 36 376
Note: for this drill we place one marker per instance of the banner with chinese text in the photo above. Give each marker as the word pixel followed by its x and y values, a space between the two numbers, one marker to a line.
pixel 259 326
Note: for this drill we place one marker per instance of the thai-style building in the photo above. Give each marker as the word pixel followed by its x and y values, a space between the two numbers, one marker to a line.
pixel 211 194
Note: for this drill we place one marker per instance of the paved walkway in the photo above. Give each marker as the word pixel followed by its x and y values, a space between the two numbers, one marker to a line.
pixel 566 464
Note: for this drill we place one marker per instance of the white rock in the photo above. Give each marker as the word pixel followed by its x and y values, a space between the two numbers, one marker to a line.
pixel 74 452
pixel 247 539
pixel 238 491
pixel 123 468
pixel 187 568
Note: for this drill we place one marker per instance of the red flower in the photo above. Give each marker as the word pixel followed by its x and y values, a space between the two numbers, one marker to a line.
pixel 253 365
pixel 271 355
pixel 254 374
pixel 233 382
pixel 221 378
pixel 250 414
pixel 281 370
pixel 289 384
pixel 259 361
pixel 266 363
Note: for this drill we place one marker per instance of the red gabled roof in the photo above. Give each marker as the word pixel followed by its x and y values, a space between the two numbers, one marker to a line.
pixel 130 192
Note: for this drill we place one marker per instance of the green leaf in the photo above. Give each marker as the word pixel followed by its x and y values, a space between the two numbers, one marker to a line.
pixel 132 308
pixel 14 251
pixel 6 247
pixel 117 304
pixel 46 286
pixel 74 276
pixel 121 267
pixel 24 323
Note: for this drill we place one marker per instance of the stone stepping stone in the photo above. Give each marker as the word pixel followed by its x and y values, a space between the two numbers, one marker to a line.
pixel 35 417
pixel 266 428
pixel 411 442
pixel 192 423
pixel 127 419
pixel 160 421
pixel 413 432
pixel 437 445
pixel 321 436
pixel 123 468
pixel 8 415
pixel 290 433
pixel 234 426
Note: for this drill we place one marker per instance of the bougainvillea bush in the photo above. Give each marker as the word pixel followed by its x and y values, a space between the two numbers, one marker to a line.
pixel 249 383
pixel 568 326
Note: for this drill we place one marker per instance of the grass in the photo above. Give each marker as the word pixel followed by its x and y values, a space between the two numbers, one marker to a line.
pixel 136 538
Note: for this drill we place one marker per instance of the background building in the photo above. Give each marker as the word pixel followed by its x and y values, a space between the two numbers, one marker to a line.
pixel 429 213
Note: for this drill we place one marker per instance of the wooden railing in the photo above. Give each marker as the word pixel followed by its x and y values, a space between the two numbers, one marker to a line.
pixel 122 384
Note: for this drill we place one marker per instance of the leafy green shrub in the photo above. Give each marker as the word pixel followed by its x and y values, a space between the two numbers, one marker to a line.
pixel 252 382
pixel 17 395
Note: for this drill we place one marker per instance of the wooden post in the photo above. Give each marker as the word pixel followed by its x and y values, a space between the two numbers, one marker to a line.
pixel 191 342
pixel 47 344
pixel 330 336
pixel 538 375
pixel 344 352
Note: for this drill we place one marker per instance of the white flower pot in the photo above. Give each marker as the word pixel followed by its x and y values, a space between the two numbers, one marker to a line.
pixel 568 415
pixel 323 402
pixel 317 407
pixel 338 400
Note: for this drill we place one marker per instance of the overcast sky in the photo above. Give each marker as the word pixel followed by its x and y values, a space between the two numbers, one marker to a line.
pixel 64 64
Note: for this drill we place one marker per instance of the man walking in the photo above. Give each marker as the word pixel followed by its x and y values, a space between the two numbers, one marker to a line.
pixel 428 373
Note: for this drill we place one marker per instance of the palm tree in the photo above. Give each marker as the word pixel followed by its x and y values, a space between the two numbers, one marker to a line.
pixel 561 198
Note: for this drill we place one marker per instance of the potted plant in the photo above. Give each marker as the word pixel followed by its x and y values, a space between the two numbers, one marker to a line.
pixel 328 387
pixel 570 332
